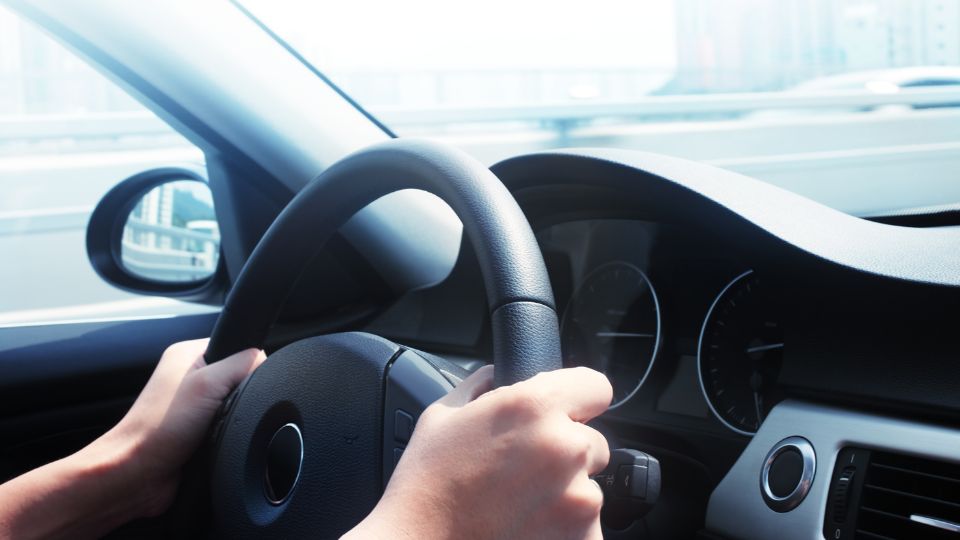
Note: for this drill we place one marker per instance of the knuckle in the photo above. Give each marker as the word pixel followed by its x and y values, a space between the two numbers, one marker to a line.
pixel 173 349
pixel 183 350
pixel 581 451
pixel 430 415
pixel 556 444
pixel 524 401
pixel 201 384
pixel 598 443
pixel 583 503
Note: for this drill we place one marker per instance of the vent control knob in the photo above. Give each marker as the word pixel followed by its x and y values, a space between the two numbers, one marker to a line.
pixel 841 494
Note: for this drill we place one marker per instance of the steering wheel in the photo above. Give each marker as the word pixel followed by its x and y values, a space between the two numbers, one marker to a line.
pixel 306 444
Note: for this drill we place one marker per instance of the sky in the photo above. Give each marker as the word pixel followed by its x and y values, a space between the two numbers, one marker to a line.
pixel 450 34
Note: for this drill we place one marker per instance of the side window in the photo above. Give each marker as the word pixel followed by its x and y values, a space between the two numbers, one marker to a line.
pixel 67 135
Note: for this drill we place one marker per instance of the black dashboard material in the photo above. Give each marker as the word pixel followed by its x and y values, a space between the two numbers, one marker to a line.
pixel 866 312
pixel 860 300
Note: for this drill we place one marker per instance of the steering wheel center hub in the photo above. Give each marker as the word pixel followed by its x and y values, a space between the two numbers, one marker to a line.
pixel 284 461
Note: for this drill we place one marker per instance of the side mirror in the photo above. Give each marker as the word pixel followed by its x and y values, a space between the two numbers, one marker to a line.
pixel 156 233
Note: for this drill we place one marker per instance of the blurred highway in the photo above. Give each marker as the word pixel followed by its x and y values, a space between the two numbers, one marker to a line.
pixel 893 156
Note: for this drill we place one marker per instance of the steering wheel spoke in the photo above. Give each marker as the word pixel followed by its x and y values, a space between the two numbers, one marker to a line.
pixel 413 382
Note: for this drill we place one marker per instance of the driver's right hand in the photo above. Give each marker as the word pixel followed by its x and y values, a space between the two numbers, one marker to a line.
pixel 513 462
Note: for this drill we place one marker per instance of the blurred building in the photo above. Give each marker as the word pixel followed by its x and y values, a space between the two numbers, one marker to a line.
pixel 171 234
pixel 760 45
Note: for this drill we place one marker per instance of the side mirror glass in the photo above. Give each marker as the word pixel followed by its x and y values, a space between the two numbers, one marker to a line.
pixel 171 235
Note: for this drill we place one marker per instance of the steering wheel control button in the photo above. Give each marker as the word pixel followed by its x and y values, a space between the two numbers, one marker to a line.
pixel 284 461
pixel 787 473
pixel 402 426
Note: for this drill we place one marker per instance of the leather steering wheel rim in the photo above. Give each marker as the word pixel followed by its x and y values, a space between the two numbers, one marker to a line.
pixel 520 299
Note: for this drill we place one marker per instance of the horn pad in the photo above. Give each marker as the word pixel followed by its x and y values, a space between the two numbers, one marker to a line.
pixel 319 397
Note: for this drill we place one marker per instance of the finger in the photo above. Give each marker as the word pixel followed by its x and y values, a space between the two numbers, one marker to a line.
pixel 594 532
pixel 469 389
pixel 228 372
pixel 586 447
pixel 599 449
pixel 582 393
pixel 587 500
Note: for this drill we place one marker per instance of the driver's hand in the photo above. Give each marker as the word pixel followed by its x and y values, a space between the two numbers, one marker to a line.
pixel 514 462
pixel 133 469
pixel 173 413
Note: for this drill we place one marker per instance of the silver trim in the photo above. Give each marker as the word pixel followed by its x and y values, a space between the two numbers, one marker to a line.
pixel 703 330
pixel 795 497
pixel 936 522
pixel 296 479
pixel 656 306
pixel 93 320
pixel 737 508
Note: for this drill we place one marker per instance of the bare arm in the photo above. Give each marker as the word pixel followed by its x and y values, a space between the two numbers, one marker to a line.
pixel 509 463
pixel 132 470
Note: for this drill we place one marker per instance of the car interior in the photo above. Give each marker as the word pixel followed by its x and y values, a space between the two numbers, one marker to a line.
pixel 781 368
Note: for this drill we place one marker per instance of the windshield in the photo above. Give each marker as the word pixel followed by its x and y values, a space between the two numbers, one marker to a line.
pixel 855 103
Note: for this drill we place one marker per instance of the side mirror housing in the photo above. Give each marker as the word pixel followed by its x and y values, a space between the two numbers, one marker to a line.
pixel 156 233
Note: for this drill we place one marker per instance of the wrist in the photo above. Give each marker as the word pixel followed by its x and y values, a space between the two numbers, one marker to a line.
pixel 404 516
pixel 84 495
pixel 110 467
pixel 116 461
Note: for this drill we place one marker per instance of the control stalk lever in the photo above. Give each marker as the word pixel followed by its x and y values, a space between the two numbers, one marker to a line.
pixel 630 485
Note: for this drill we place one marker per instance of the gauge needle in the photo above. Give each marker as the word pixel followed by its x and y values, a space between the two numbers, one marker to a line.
pixel 764 348
pixel 624 335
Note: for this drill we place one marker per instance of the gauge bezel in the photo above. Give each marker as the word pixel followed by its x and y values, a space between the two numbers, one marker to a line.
pixel 656 306
pixel 703 331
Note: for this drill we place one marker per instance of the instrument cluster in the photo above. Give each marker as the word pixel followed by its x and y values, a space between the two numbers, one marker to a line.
pixel 634 303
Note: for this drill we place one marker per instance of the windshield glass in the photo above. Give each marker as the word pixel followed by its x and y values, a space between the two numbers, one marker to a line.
pixel 852 102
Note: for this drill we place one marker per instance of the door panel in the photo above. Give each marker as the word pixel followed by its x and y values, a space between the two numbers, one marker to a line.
pixel 63 385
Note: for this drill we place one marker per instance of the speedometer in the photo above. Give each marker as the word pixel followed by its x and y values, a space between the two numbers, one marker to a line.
pixel 740 353
pixel 612 324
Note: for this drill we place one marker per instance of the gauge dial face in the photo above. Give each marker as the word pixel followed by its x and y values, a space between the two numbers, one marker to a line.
pixel 740 353
pixel 612 324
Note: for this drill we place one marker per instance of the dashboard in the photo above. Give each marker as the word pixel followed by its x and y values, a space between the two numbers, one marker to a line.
pixel 785 361
pixel 746 331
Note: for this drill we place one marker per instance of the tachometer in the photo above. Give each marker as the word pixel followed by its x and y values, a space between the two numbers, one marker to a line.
pixel 740 353
pixel 612 324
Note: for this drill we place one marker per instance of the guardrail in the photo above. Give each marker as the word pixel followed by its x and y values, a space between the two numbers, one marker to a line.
pixel 674 106
pixel 107 125
pixel 168 253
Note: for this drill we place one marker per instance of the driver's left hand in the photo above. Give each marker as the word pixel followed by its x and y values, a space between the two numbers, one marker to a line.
pixel 132 470
pixel 173 413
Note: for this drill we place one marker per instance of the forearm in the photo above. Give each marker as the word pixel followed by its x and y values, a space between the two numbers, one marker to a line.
pixel 84 495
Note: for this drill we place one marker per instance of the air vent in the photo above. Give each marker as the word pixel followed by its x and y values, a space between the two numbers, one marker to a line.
pixel 905 497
